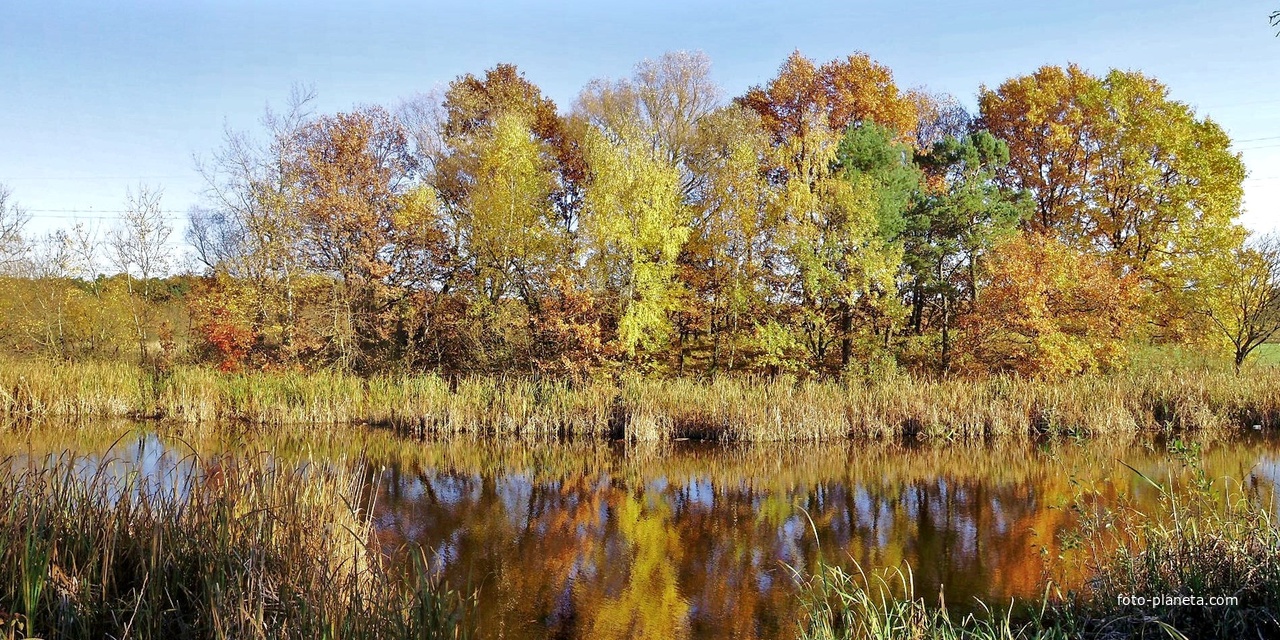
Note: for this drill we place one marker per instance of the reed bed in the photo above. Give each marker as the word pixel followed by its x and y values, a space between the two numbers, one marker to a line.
pixel 726 408
pixel 224 549
pixel 1213 539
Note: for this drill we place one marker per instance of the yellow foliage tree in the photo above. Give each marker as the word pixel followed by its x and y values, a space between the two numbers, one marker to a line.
pixel 634 225
pixel 1119 169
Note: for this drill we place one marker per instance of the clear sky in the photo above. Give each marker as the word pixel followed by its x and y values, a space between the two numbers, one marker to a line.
pixel 98 96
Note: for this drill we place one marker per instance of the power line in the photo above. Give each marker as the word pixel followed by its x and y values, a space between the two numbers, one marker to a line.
pixel 46 217
pixel 1256 139
pixel 11 178
pixel 95 210
pixel 91 214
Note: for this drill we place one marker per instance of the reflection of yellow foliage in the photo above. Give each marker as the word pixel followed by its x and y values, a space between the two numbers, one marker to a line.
pixel 650 605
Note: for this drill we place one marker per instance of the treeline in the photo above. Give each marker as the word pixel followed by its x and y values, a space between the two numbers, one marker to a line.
pixel 824 223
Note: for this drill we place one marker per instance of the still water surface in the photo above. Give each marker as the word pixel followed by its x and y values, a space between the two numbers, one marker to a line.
pixel 591 540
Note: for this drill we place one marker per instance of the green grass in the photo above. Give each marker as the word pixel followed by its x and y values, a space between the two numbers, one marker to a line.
pixel 843 605
pixel 1266 354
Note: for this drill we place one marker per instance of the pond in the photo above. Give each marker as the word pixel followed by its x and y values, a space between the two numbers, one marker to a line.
pixel 689 540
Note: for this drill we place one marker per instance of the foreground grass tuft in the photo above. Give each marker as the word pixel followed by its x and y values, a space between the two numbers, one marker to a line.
pixel 238 549
pixel 1209 541
pixel 842 605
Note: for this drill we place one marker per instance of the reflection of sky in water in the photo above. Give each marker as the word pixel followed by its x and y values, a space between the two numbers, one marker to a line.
pixel 1268 469
pixel 152 465
pixel 553 552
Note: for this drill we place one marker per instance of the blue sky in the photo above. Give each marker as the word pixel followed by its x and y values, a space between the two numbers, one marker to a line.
pixel 96 97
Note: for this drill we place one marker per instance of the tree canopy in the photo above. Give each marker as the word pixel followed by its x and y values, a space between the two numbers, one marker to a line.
pixel 826 222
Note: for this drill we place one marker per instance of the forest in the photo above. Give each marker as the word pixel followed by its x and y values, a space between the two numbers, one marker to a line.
pixel 826 224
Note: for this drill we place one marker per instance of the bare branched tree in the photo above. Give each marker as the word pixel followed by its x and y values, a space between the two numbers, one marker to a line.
pixel 941 115
pixel 13 219
pixel 662 104
pixel 1247 311
pixel 50 256
pixel 247 225
pixel 139 248
pixel 84 245
pixel 245 220
pixel 139 245
pixel 424 119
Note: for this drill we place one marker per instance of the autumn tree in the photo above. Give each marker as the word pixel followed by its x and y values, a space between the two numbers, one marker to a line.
pixel 510 175
pixel 471 107
pixel 656 121
pixel 1117 168
pixel 725 262
pixel 884 172
pixel 138 247
pixel 836 253
pixel 363 226
pixel 661 106
pixel 667 106
pixel 245 234
pixel 1047 311
pixel 55 300
pixel 806 98
pixel 512 233
pixel 40 310
pixel 634 225
pixel 1245 308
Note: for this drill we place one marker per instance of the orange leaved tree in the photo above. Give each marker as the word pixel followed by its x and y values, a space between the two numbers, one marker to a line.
pixel 1047 311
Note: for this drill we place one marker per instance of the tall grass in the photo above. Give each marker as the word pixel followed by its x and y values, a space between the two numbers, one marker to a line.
pixel 243 549
pixel 728 408
pixel 843 605
pixel 1209 540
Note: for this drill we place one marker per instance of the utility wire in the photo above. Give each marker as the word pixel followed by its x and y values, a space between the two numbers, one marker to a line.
pixel 91 214
pixel 95 210
pixel 96 178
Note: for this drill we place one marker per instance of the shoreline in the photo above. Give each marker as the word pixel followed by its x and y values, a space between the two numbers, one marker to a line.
pixel 729 409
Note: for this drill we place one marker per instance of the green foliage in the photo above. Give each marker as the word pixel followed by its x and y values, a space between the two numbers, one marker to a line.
pixel 871 159
pixel 961 215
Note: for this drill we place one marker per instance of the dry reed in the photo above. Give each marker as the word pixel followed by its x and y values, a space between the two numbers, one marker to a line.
pixel 727 408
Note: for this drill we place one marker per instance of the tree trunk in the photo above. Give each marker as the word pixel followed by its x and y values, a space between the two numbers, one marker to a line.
pixel 846 337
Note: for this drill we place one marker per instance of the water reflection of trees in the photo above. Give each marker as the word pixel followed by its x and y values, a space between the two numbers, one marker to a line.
pixel 600 540
pixel 606 542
